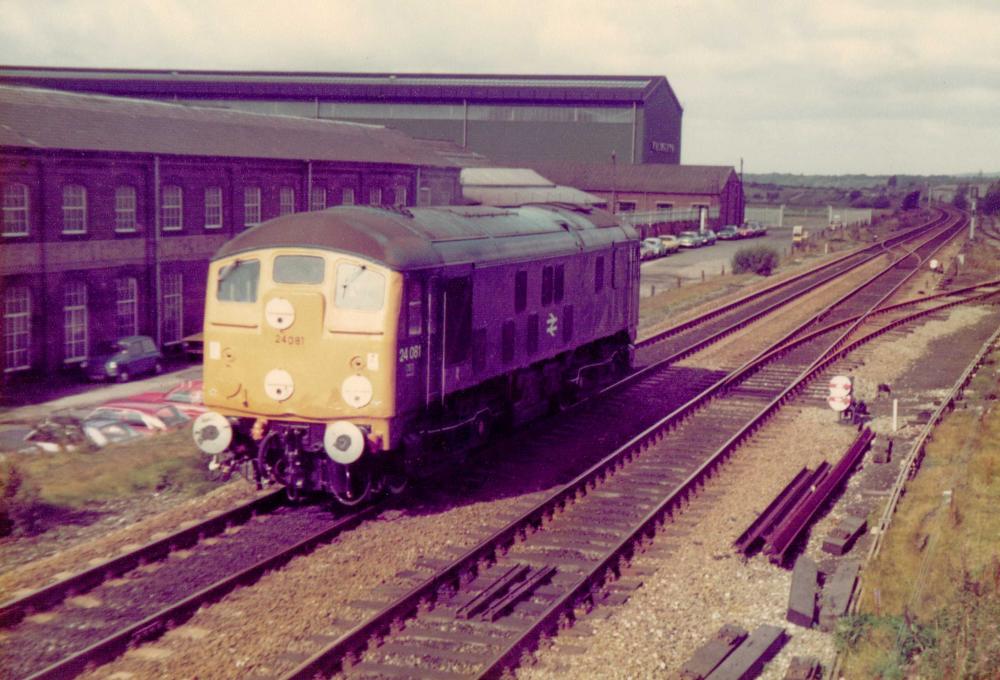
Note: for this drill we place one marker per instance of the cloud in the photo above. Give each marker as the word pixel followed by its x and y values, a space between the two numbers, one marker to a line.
pixel 798 86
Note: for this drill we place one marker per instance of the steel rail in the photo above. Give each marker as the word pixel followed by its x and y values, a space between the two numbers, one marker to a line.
pixel 921 260
pixel 153 626
pixel 746 321
pixel 51 595
pixel 679 497
pixel 700 344
pixel 909 468
pixel 156 550
pixel 880 247
pixel 791 336
pixel 354 641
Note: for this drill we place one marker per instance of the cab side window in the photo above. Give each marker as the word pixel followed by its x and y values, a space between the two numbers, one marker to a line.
pixel 520 291
pixel 414 308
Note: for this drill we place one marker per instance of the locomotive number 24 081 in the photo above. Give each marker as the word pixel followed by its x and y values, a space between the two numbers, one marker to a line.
pixel 409 353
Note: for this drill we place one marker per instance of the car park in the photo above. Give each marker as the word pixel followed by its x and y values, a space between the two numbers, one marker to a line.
pixel 124 358
pixel 689 239
pixel 670 242
pixel 730 232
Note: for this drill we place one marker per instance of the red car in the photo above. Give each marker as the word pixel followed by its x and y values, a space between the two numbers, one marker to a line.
pixel 187 397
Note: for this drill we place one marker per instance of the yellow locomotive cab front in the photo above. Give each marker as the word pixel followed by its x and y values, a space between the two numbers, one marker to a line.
pixel 298 354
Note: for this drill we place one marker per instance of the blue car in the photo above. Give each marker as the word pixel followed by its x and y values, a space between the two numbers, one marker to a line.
pixel 124 358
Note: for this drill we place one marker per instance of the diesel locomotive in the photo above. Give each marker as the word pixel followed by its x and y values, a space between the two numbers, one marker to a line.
pixel 348 349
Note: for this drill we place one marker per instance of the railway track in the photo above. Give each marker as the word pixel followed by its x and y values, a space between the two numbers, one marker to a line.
pixel 136 597
pixel 478 614
pixel 136 623
pixel 686 338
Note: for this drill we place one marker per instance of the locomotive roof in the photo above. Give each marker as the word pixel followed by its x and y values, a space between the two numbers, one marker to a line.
pixel 426 237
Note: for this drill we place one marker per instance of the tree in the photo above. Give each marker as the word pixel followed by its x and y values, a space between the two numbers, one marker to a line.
pixel 892 182
pixel 959 201
pixel 912 200
pixel 990 205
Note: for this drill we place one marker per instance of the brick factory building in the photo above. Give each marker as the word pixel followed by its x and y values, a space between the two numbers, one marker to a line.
pixel 112 207
pixel 665 193
pixel 512 119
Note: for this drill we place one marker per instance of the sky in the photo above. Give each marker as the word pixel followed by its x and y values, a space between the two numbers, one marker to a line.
pixel 812 87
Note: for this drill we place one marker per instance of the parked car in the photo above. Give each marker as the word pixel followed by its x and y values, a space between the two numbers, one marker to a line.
pixel 708 236
pixel 671 243
pixel 186 396
pixel 101 432
pixel 690 239
pixel 124 358
pixel 745 230
pixel 194 345
pixel 28 439
pixel 655 246
pixel 730 232
pixel 144 417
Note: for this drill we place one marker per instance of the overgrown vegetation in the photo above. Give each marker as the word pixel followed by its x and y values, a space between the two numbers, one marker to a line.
pixel 760 260
pixel 41 489
pixel 931 601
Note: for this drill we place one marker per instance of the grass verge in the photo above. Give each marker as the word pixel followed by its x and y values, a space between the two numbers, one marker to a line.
pixel 931 605
pixel 37 490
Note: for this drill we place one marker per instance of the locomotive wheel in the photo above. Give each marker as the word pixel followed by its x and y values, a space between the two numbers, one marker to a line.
pixel 352 484
pixel 394 476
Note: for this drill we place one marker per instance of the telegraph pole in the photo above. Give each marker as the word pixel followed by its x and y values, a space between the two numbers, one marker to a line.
pixel 614 182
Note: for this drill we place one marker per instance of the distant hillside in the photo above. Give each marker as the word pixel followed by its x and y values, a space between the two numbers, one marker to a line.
pixel 858 191
pixel 856 181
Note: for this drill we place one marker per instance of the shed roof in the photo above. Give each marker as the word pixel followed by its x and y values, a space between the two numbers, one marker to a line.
pixel 338 85
pixel 518 186
pixel 47 119
pixel 649 177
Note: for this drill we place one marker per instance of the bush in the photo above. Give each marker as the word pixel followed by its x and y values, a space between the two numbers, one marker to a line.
pixel 760 260
pixel 18 499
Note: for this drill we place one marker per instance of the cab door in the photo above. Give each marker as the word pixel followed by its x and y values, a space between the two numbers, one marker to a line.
pixel 450 335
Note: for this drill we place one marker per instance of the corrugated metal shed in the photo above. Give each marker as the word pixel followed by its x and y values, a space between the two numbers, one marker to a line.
pixel 675 179
pixel 45 119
